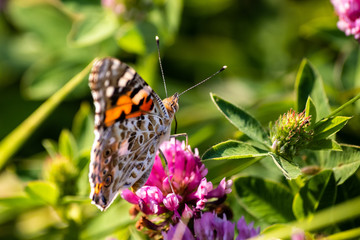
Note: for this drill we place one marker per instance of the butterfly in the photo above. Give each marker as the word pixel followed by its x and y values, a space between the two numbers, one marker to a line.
pixel 131 122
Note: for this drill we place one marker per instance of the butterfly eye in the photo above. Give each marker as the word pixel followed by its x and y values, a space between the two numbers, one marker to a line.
pixel 108 180
pixel 107 152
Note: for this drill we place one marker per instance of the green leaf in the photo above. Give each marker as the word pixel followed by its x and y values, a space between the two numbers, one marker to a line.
pixel 100 227
pixel 138 38
pixel 19 202
pixel 349 234
pixel 289 170
pixel 43 191
pixel 12 206
pixel 274 227
pixel 75 199
pixel 242 120
pixel 329 126
pixel 94 25
pixel 51 147
pixel 83 126
pixel 324 144
pixel 11 143
pixel 230 157
pixel 83 160
pixel 310 110
pixel 48 21
pixel 233 150
pixel 325 218
pixel 173 15
pixel 309 83
pixel 344 164
pixel 67 145
pixel 266 200
pixel 318 193
pixel 48 75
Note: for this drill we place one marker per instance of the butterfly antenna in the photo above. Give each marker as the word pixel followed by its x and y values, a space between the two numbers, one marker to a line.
pixel 161 68
pixel 219 71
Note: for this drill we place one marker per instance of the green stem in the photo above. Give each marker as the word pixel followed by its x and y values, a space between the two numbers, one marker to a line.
pixel 12 142
pixel 339 109
pixel 349 234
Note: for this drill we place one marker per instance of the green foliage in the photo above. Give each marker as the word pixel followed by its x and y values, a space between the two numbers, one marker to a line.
pixel 294 138
pixel 45 51
pixel 310 84
pixel 317 193
pixel 242 120
pixel 264 199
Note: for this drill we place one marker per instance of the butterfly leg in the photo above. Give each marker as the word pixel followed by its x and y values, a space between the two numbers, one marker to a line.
pixel 167 169
pixel 181 135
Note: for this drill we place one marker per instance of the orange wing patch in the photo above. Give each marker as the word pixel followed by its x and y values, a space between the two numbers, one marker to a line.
pixel 98 187
pixel 128 106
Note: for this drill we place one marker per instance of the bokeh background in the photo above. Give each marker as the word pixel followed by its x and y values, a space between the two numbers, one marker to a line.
pixel 44 43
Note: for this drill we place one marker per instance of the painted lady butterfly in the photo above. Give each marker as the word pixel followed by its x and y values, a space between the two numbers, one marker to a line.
pixel 131 121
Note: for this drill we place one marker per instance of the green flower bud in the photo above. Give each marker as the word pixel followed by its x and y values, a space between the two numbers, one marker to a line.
pixel 290 134
pixel 61 171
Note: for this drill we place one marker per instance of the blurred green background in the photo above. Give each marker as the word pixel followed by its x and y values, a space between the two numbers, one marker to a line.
pixel 44 43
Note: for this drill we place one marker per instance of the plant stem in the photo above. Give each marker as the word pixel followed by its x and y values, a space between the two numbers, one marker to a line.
pixel 339 109
pixel 14 140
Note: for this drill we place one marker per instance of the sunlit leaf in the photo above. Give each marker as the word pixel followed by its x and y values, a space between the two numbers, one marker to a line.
pixel 31 15
pixel 264 199
pixel 329 126
pixel 233 150
pixel 324 144
pixel 344 164
pixel 242 120
pixel 309 83
pixel 310 110
pixel 67 145
pixel 48 75
pixel 173 15
pixel 11 143
pixel 83 127
pixel 93 25
pixel 229 158
pixel 44 191
pixel 12 206
pixel 289 170
pixel 100 226
pixel 318 193
pixel 51 147
pixel 138 38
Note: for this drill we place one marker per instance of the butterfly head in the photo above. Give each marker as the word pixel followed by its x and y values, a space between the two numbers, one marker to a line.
pixel 171 104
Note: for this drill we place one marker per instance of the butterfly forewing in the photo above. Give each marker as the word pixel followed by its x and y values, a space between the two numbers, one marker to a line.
pixel 130 123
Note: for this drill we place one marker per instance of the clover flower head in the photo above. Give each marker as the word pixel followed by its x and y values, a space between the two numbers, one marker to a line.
pixel 246 231
pixel 349 16
pixel 210 227
pixel 188 194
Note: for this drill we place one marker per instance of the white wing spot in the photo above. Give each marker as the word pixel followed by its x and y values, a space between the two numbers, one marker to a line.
pixel 96 95
pixel 115 65
pixel 110 91
pixel 123 82
pixel 107 74
pixel 112 140
pixel 123 150
pixel 97 106
pixel 97 119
